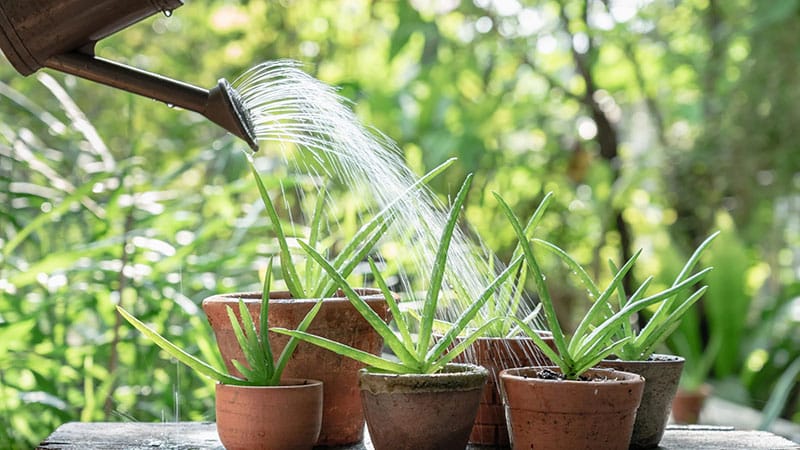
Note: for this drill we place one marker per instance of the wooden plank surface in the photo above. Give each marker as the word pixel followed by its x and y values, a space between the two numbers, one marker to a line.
pixel 203 436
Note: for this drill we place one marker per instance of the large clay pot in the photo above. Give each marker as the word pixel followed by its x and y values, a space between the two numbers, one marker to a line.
pixel 554 414
pixel 661 374
pixel 342 415
pixel 687 405
pixel 285 417
pixel 497 354
pixel 422 412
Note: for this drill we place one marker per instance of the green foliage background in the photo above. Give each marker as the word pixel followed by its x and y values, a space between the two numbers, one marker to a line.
pixel 653 126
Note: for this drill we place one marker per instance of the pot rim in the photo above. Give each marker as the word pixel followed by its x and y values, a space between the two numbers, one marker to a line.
pixel 465 377
pixel 673 360
pixel 626 377
pixel 285 384
pixel 283 296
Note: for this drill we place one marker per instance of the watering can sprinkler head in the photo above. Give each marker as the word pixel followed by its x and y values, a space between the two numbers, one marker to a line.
pixel 61 35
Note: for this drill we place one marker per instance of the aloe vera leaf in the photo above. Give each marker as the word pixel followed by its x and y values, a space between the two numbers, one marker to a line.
pixel 572 264
pixel 439 266
pixel 380 219
pixel 347 351
pixel 591 316
pixel 650 340
pixel 591 359
pixel 288 350
pixel 287 265
pixel 466 316
pixel 515 330
pixel 347 266
pixel 313 238
pixel 399 319
pixel 631 308
pixel 538 277
pixel 251 354
pixel 435 366
pixel 549 352
pixel 665 309
pixel 266 349
pixel 179 354
pixel 374 320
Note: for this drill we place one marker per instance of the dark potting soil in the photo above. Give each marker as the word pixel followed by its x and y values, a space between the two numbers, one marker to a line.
pixel 547 374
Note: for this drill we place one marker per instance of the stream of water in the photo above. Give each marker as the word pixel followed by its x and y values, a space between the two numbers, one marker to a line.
pixel 288 106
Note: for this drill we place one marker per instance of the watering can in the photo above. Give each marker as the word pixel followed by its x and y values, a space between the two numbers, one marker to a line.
pixel 61 35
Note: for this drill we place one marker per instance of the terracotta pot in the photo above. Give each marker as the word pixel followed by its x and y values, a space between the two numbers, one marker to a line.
pixel 342 415
pixel 687 405
pixel 661 374
pixel 282 417
pixel 497 354
pixel 420 412
pixel 546 414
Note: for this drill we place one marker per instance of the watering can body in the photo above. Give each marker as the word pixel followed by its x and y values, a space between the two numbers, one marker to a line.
pixel 33 31
pixel 61 35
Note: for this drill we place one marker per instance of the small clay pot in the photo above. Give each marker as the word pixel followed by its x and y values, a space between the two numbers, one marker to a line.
pixel 422 412
pixel 285 417
pixel 554 414
pixel 497 354
pixel 687 405
pixel 661 374
pixel 338 320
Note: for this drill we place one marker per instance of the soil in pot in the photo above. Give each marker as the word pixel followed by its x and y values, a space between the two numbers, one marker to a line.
pixel 687 405
pixel 497 354
pixel 342 416
pixel 662 374
pixel 422 412
pixel 545 412
pixel 285 417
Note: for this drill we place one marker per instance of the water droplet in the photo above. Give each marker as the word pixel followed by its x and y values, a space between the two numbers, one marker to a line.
pixel 168 12
pixel 170 105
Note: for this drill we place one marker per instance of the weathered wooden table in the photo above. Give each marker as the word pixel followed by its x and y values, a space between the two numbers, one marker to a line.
pixel 203 436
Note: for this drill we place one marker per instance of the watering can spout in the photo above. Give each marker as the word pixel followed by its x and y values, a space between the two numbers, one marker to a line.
pixel 61 35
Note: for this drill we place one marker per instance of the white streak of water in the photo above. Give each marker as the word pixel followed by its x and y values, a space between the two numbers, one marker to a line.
pixel 289 106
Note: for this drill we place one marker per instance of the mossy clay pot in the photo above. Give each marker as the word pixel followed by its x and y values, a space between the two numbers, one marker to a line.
pixel 422 412
pixel 661 374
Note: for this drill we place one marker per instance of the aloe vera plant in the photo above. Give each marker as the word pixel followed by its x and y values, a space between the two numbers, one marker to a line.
pixel 597 335
pixel 314 283
pixel 505 305
pixel 420 353
pixel 261 369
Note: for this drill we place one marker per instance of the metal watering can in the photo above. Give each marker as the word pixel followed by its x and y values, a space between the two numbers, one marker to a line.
pixel 61 35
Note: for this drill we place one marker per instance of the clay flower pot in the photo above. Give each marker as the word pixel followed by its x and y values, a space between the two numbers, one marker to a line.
pixel 282 417
pixel 342 415
pixel 687 405
pixel 661 374
pixel 420 412
pixel 554 414
pixel 497 354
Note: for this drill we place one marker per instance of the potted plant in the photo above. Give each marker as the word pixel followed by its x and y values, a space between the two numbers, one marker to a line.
pixel 662 372
pixel 573 405
pixel 342 419
pixel 503 345
pixel 258 410
pixel 416 399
